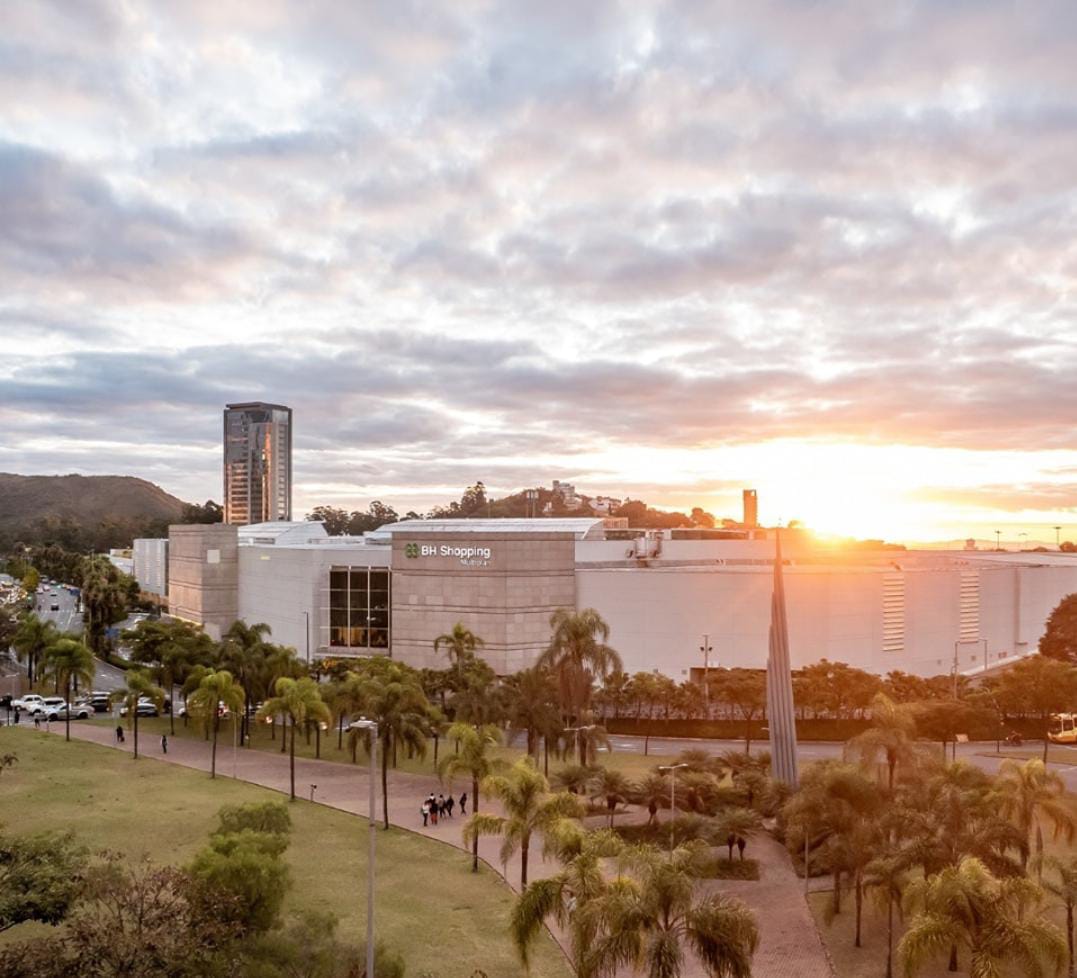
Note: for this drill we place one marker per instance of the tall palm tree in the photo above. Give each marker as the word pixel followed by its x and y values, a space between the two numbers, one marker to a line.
pixel 529 806
pixel 137 684
pixel 735 826
pixel 1028 793
pixel 892 735
pixel 885 879
pixel 997 921
pixel 296 702
pixel 532 706
pixel 244 651
pixel 391 695
pixel 174 647
pixel 32 636
pixel 578 655
pixel 652 791
pixel 281 661
pixel 647 918
pixel 473 760
pixel 67 660
pixel 216 688
pixel 460 645
pixel 613 787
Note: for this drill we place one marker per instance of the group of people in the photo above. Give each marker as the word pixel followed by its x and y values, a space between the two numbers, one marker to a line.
pixel 434 808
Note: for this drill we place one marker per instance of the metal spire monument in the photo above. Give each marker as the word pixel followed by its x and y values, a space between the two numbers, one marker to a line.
pixel 780 715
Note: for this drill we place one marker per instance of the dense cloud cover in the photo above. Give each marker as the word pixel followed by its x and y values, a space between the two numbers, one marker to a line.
pixel 628 244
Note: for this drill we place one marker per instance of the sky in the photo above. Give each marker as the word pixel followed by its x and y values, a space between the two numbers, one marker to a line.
pixel 826 250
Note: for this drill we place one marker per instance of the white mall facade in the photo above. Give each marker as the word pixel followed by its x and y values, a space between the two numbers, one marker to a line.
pixel 393 591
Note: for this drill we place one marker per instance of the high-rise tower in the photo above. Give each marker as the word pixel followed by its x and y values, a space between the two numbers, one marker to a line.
pixel 257 463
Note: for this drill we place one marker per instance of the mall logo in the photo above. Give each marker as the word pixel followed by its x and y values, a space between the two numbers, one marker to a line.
pixel 468 556
pixel 411 550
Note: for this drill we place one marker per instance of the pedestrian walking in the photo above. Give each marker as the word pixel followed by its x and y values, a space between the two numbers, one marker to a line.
pixel 449 805
pixel 119 733
pixel 164 743
pixel 425 810
pixel 441 805
pixel 434 814
pixel 463 803
pixel 37 722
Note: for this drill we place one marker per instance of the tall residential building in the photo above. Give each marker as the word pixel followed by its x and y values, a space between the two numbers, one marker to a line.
pixel 257 463
pixel 751 508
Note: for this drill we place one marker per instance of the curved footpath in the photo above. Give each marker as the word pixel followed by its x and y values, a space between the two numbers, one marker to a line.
pixel 789 942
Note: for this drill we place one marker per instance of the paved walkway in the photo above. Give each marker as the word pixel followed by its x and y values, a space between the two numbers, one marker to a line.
pixel 789 942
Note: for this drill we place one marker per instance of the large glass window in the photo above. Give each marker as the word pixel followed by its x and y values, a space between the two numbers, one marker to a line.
pixel 359 608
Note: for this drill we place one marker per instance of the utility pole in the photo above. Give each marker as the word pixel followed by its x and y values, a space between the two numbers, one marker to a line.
pixel 998 539
pixel 1058 530
pixel 673 769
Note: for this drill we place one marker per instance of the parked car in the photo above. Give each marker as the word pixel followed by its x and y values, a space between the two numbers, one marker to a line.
pixel 146 708
pixel 29 703
pixel 80 711
pixel 50 704
pixel 222 711
pixel 101 701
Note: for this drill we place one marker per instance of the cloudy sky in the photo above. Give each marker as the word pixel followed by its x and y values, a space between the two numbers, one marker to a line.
pixel 823 249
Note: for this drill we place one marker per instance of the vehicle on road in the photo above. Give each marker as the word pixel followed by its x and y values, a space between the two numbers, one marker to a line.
pixel 54 607
pixel 222 711
pixel 80 711
pixel 50 704
pixel 146 708
pixel 1063 729
pixel 100 701
pixel 29 703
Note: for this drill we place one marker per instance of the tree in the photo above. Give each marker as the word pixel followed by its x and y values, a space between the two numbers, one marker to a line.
pixel 40 877
pixel 173 647
pixel 32 636
pixel 472 760
pixel 308 947
pixel 529 806
pixel 1038 685
pixel 746 690
pixel 652 791
pixel 105 592
pixel 137 685
pixel 735 826
pixel 578 655
pixel 208 512
pixel 266 816
pixel 891 735
pixel 334 519
pixel 216 690
pixel 1065 888
pixel 244 652
pixel 68 661
pixel 1028 794
pixel 390 694
pixel 885 879
pixel 648 917
pixel 31 581
pixel 1059 639
pixel 612 787
pixel 296 702
pixel 998 921
pixel 460 645
pixel 532 706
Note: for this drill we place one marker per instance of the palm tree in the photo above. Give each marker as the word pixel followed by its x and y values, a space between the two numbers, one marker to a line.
pixel 67 660
pixel 460 645
pixel 611 786
pixel 1026 794
pixel 391 695
pixel 564 896
pixel 532 706
pixel 296 701
pixel 885 879
pixel 32 636
pixel 175 647
pixel 995 920
pixel 647 918
pixel 652 791
pixel 735 826
pixel 577 655
pixel 1065 888
pixel 892 735
pixel 138 685
pixel 280 661
pixel 574 778
pixel 530 807
pixel 472 760
pixel 244 651
pixel 215 689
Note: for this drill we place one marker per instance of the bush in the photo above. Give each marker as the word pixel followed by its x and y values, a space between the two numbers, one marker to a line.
pixel 721 868
pixel 685 828
pixel 269 816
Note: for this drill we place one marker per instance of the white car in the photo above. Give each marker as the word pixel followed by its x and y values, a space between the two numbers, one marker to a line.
pixel 49 706
pixel 30 703
pixel 80 711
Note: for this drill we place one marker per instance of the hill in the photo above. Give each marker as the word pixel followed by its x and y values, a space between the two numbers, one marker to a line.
pixel 28 501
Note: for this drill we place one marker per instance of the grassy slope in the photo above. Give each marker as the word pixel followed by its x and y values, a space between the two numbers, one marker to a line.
pixel 441 917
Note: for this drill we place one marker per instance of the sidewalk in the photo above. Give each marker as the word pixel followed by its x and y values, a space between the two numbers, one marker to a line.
pixel 789 943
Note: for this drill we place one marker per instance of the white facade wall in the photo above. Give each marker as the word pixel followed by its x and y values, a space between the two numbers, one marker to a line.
pixel 150 557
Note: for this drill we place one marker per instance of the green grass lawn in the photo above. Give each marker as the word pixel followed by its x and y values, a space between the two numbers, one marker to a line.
pixel 442 918
pixel 265 737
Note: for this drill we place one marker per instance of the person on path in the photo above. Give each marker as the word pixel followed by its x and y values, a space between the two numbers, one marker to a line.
pixel 433 810
pixel 463 803
pixel 425 812
pixel 37 721
pixel 441 805
pixel 449 804
pixel 119 733
pixel 164 743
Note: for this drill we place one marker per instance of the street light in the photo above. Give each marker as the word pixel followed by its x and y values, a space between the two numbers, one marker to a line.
pixel 998 539
pixel 706 648
pixel 673 769
pixel 1058 530
pixel 364 724
pixel 578 730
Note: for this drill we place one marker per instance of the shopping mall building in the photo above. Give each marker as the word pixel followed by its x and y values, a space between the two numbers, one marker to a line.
pixel 393 591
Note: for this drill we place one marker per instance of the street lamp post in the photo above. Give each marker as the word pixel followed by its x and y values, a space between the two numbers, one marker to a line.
pixel 578 731
pixel 1058 530
pixel 706 648
pixel 364 724
pixel 998 539
pixel 673 769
